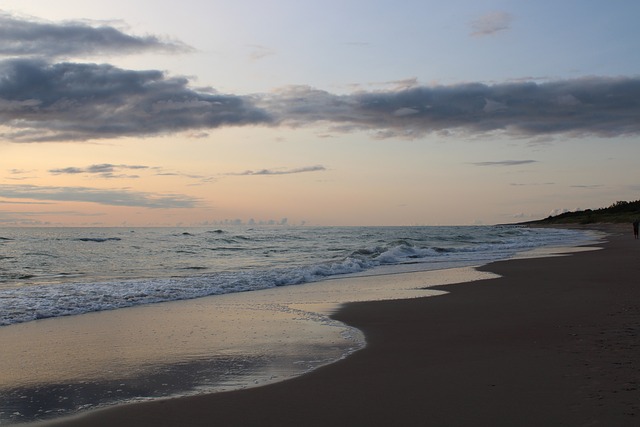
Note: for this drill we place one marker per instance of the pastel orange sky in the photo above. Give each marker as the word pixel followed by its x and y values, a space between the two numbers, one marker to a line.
pixel 324 113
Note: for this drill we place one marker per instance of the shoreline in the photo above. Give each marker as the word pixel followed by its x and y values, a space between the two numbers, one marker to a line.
pixel 554 341
pixel 55 366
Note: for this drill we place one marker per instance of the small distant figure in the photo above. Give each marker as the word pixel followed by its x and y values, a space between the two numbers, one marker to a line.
pixel 635 228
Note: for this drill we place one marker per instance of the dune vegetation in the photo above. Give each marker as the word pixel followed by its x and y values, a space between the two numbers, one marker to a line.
pixel 619 212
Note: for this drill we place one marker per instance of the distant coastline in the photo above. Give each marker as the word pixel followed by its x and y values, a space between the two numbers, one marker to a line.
pixel 617 213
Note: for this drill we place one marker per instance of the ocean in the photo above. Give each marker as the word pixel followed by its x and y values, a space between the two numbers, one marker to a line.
pixel 51 272
pixel 49 276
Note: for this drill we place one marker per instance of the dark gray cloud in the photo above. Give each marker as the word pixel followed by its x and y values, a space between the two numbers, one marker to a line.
pixel 70 101
pixel 587 186
pixel 505 163
pixel 586 106
pixel 29 37
pixel 104 170
pixel 112 197
pixel 40 102
pixel 532 184
pixel 281 171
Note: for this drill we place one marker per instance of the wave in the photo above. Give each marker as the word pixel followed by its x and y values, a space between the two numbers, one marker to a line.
pixel 39 302
pixel 30 302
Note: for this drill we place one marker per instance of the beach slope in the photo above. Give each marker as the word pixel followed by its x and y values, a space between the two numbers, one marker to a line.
pixel 554 341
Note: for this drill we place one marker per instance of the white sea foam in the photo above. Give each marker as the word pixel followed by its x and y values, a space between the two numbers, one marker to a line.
pixel 52 273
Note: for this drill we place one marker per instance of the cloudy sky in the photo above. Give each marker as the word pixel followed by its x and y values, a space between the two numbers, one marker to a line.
pixel 350 112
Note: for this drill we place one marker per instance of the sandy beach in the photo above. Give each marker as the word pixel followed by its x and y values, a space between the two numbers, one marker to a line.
pixel 553 342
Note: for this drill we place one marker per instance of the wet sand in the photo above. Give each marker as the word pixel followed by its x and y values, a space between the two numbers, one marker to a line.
pixel 58 366
pixel 554 341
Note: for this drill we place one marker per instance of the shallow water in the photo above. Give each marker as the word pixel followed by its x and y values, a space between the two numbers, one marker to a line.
pixel 59 366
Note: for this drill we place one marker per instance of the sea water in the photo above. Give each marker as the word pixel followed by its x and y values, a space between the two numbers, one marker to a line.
pixel 51 272
pixel 49 275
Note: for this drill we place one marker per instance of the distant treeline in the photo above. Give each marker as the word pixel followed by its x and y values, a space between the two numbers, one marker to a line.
pixel 618 212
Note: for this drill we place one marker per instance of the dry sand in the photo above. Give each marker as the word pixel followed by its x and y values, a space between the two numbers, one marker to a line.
pixel 553 342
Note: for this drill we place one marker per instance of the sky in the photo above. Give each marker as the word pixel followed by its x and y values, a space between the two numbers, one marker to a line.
pixel 201 113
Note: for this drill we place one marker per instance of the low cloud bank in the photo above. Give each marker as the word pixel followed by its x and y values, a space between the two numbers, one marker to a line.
pixel 113 197
pixel 594 106
pixel 76 102
pixel 44 99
